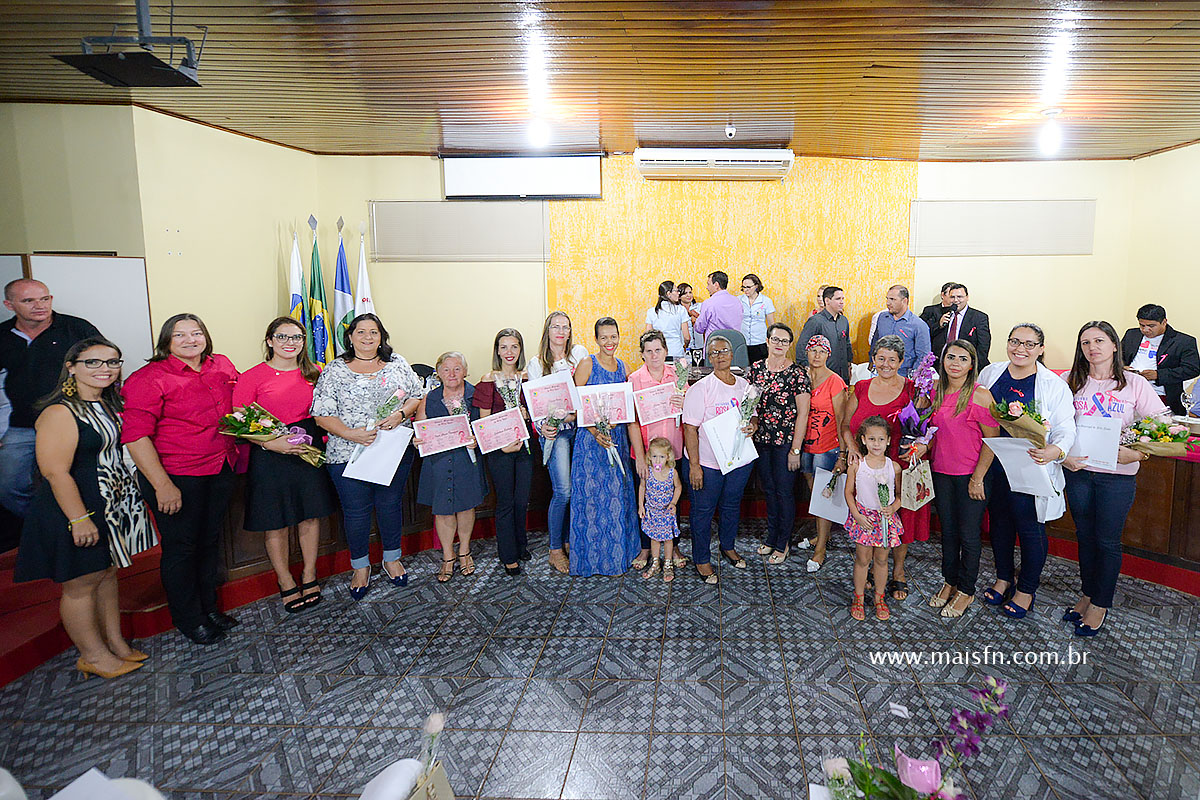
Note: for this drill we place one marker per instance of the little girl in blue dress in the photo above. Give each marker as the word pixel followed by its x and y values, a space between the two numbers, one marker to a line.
pixel 657 498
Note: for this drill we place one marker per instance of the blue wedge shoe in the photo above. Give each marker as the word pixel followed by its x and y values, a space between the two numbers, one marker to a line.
pixel 1014 611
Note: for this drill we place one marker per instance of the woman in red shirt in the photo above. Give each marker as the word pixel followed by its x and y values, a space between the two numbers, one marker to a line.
pixel 282 489
pixel 185 466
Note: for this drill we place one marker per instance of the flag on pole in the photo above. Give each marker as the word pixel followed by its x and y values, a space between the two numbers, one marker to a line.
pixel 298 304
pixel 322 349
pixel 343 299
pixel 363 303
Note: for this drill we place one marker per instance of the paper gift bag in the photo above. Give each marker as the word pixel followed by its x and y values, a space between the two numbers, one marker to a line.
pixel 916 486
pixel 832 508
pixel 434 786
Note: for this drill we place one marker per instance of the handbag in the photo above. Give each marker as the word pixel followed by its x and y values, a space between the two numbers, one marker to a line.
pixel 916 486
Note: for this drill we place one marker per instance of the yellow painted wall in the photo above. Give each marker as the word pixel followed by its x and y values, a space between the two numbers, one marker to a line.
pixel 830 221
pixel 1059 293
pixel 69 179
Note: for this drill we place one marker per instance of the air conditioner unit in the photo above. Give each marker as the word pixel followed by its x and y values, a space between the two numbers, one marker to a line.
pixel 713 164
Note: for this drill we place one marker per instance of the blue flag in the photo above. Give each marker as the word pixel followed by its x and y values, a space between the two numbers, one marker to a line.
pixel 343 299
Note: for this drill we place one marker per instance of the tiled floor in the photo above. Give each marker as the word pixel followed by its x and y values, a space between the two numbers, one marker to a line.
pixel 626 688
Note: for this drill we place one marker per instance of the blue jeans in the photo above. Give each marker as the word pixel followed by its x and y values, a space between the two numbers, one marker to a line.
pixel 1014 514
pixel 560 482
pixel 358 498
pixel 16 470
pixel 723 494
pixel 779 486
pixel 811 462
pixel 1100 502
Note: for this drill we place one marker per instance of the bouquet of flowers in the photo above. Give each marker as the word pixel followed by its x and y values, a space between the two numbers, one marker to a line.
pixel 460 407
pixel 257 424
pixel 682 372
pixel 554 419
pixel 1022 421
pixel 510 390
pixel 746 410
pixel 924 376
pixel 382 412
pixel 914 430
pixel 605 427
pixel 884 492
pixel 1159 438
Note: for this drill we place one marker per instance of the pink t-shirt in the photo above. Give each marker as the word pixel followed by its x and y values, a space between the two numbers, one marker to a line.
pixel 1135 402
pixel 667 428
pixel 285 394
pixel 708 398
pixel 959 438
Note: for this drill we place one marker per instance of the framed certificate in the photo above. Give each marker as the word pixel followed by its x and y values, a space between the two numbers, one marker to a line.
pixel 440 434
pixel 615 398
pixel 500 430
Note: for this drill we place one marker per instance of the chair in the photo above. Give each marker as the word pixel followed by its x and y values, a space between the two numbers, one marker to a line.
pixel 741 358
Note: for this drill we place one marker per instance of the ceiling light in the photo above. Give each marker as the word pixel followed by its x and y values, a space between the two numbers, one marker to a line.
pixel 539 134
pixel 1050 138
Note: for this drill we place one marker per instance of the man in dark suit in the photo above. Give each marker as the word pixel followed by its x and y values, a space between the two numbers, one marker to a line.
pixel 931 314
pixel 961 321
pixel 1161 355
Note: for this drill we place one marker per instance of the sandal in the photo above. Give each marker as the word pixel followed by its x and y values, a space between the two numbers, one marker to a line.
pixel 445 575
pixel 292 606
pixel 650 573
pixel 765 549
pixel 668 572
pixel 680 562
pixel 466 567
pixel 738 562
pixel 813 565
pixel 994 598
pixel 1014 611
pixel 311 599
pixel 856 608
pixel 559 561
pixel 778 557
pixel 710 578
pixel 640 563
pixel 937 601
pixel 882 612
pixel 897 586
pixel 951 609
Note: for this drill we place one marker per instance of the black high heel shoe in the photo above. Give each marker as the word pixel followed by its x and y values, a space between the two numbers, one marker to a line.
pixel 292 606
pixel 312 599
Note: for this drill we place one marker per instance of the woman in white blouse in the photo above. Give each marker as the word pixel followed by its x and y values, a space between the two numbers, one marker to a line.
pixel 672 319
pixel 758 314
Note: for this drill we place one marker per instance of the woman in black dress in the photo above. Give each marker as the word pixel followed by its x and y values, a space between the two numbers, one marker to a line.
pixel 87 518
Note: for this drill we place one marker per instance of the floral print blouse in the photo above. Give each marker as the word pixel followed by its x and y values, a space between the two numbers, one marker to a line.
pixel 353 398
pixel 777 406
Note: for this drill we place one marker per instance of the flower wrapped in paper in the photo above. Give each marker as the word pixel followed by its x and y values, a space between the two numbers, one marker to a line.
pixel 1160 437
pixel 510 391
pixel 605 429
pixel 915 430
pixel 746 411
pixel 884 492
pixel 1022 421
pixel 254 423
pixel 382 412
pixel 554 420
pixel 460 408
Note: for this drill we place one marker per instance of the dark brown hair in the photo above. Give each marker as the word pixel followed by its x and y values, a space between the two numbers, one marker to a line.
pixel 1080 368
pixel 968 387
pixel 497 364
pixel 162 348
pixel 110 398
pixel 307 368
pixel 873 421
pixel 385 349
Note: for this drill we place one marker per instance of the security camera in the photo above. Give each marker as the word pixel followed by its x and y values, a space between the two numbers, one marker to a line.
pixel 730 131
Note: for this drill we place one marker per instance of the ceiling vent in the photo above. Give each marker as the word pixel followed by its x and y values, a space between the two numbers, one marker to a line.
pixel 712 164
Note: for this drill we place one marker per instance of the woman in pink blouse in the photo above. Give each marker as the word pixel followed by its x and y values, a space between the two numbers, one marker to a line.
pixel 1100 498
pixel 282 489
pixel 963 419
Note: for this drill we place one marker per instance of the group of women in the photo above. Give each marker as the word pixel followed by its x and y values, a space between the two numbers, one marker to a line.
pixel 89 517
pixel 676 309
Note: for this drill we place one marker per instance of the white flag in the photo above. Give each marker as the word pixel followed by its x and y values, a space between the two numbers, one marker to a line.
pixel 363 304
pixel 298 301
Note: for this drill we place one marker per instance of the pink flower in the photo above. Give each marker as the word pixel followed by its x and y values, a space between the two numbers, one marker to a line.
pixel 1143 438
pixel 1016 409
pixel 924 776
pixel 1175 430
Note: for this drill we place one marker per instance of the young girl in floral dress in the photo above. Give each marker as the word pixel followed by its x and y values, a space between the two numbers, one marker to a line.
pixel 873 523
pixel 657 498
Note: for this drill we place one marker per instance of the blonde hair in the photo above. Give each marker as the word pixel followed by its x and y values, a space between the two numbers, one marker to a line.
pixel 448 355
pixel 660 445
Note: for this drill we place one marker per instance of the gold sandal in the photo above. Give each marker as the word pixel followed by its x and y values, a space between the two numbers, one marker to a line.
pixel 650 573
pixel 668 571
pixel 937 601
pixel 951 611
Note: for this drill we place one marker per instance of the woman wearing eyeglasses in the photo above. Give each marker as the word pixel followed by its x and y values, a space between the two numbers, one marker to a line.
pixel 87 518
pixel 282 489
pixel 758 314
pixel 1025 379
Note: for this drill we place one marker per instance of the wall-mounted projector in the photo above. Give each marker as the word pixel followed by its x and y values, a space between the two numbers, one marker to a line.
pixel 137 67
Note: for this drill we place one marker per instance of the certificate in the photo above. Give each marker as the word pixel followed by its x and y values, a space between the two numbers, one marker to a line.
pixel 500 430
pixel 440 434
pixel 553 392
pixel 654 404
pixel 617 399
pixel 377 462
pixel 832 508
pixel 1097 438
pixel 730 446
pixel 1023 473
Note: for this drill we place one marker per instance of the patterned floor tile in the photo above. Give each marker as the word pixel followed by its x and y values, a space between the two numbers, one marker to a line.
pixel 507 658
pixel 689 590
pixel 877 700
pixel 371 752
pixel 303 760
pixel 607 766
pixel 619 706
pixel 370 618
pixel 688 707
pixel 595 590
pixel 551 706
pixel 473 619
pixel 67 695
pixel 526 619
pixel 224 759
pixel 408 703
pixel 804 620
pixel 351 700
pixel 739 623
pixel 636 591
pixel 688 659
pixel 764 766
pixel 281 701
pixel 632 659
pixel 685 767
pixel 198 698
pixel 444 655
pixel 327 653
pixel 568 658
pixel 1003 769
pixel 467 756
pixel 825 709
pixel 1078 768
pixel 752 661
pixel 693 622
pixel 1170 706
pixel 530 765
pixel 55 753
pixel 582 620
pixel 757 708
pixel 1035 710
pixel 485 703
pixel 1104 709
pixel 815 662
pixel 390 655
pixel 1155 765
pixel 638 622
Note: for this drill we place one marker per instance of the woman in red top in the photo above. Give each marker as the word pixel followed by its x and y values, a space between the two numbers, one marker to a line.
pixel 886 395
pixel 282 489
pixel 185 466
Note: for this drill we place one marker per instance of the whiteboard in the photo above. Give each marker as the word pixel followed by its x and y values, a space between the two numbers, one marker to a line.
pixel 107 291
pixel 514 177
pixel 10 269
pixel 1001 227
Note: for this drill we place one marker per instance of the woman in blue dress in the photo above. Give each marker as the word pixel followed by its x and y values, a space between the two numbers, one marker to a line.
pixel 604 520
pixel 452 482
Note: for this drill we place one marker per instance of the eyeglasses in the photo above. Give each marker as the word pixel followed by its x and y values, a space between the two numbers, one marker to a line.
pixel 560 327
pixel 777 340
pixel 724 351
pixel 1015 343
pixel 284 338
pixel 747 286
pixel 196 335
pixel 94 363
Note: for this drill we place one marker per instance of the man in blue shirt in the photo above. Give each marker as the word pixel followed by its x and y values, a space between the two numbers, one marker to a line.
pixel 901 321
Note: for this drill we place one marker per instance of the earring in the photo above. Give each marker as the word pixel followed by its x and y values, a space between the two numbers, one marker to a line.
pixel 68 386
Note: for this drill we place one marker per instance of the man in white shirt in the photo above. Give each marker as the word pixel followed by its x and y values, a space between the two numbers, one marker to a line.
pixel 1162 355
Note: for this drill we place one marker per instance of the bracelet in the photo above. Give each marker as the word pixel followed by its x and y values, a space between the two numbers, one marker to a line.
pixel 71 522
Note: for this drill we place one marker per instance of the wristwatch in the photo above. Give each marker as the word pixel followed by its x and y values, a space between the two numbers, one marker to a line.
pixel 795 451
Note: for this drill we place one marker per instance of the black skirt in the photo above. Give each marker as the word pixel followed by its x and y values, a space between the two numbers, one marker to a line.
pixel 284 490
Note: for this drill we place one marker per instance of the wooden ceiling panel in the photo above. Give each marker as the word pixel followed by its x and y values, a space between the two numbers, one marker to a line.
pixel 867 78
